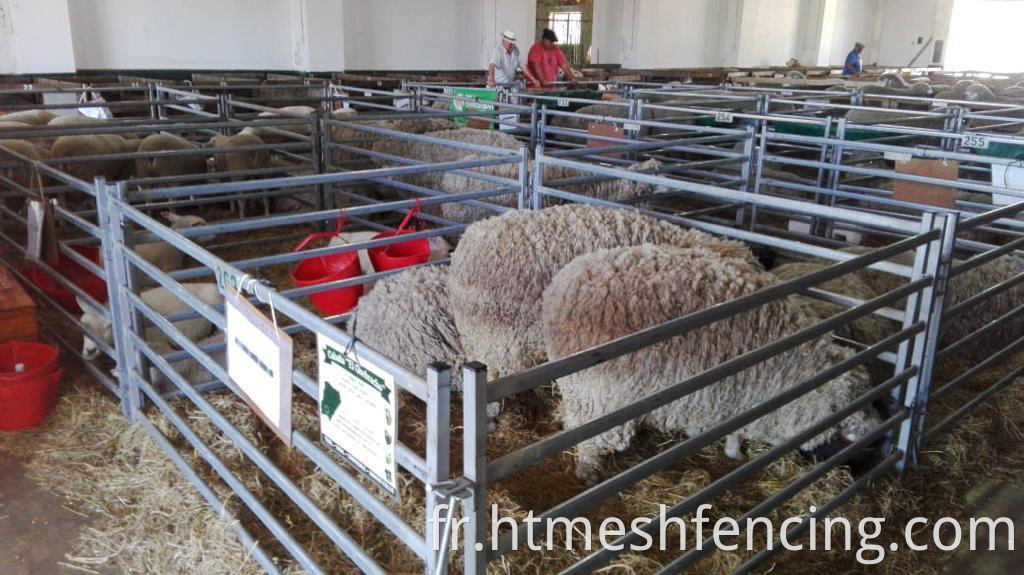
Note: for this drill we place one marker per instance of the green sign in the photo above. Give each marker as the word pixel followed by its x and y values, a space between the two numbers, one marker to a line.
pixel 473 100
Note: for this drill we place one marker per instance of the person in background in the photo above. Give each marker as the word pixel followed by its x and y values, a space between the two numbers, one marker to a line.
pixel 545 59
pixel 505 60
pixel 853 66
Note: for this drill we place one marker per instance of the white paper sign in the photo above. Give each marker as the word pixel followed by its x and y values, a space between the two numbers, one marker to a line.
pixel 723 117
pixel 259 358
pixel 36 215
pixel 976 141
pixel 508 121
pixel 402 103
pixel 631 127
pixel 358 412
pixel 563 102
pixel 1010 177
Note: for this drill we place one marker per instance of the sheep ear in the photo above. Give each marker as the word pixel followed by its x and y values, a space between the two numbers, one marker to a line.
pixel 81 304
pixel 171 217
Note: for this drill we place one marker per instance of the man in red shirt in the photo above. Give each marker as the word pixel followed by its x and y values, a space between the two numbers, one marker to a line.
pixel 545 59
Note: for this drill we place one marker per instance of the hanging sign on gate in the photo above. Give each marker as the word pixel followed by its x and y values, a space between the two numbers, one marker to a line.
pixel 259 357
pixel 358 412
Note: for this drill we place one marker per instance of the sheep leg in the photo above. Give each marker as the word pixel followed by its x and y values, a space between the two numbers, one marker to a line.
pixel 493 411
pixel 734 448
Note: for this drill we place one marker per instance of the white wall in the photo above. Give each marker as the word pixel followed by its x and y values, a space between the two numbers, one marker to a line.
pixel 854 22
pixel 35 37
pixel 770 32
pixel 903 27
pixel 201 34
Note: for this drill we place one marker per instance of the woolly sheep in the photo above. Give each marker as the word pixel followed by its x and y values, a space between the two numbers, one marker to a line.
pixel 270 135
pixel 960 288
pixel 869 329
pixel 593 300
pixel 163 167
pixel 437 153
pixel 365 140
pixel 408 318
pixel 94 145
pixel 163 303
pixel 613 190
pixel 503 264
pixel 31 117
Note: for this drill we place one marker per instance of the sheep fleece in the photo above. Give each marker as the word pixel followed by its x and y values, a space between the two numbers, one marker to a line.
pixel 502 265
pixel 611 293
pixel 408 318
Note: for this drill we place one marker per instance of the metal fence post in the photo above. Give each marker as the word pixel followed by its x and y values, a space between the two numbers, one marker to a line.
pixel 439 378
pixel 537 193
pixel 916 395
pixel 474 466
pixel 113 242
pixel 524 177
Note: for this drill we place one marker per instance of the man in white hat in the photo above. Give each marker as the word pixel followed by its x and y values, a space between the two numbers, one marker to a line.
pixel 505 60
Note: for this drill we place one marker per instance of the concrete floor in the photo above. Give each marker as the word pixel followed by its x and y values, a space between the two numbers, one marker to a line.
pixel 35 526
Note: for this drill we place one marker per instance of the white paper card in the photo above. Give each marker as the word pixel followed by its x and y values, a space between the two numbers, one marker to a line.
pixel 358 412
pixel 36 215
pixel 1011 178
pixel 508 121
pixel 259 358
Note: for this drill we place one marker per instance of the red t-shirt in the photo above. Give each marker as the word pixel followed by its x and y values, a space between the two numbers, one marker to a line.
pixel 547 61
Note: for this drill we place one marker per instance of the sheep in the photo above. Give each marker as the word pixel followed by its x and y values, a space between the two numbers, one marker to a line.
pixel 31 117
pixel 960 288
pixel 74 120
pixel 438 153
pixel 593 300
pixel 893 81
pixel 9 125
pixel 408 318
pixel 187 367
pixel 162 302
pixel 360 139
pixel 978 93
pixel 272 134
pixel 614 190
pixel 240 160
pixel 868 330
pixel 163 255
pixel 502 265
pixel 163 167
pixel 94 145
pixel 22 175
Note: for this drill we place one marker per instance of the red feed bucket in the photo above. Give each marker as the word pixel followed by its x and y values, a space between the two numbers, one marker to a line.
pixel 25 403
pixel 83 278
pixel 397 256
pixel 34 358
pixel 323 269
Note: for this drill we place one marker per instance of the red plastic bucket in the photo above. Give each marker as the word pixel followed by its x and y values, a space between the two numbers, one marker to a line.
pixel 25 403
pixel 78 275
pixel 33 358
pixel 324 269
pixel 397 256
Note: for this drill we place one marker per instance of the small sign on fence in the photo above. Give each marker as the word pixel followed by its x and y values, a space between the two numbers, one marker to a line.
pixel 976 141
pixel 259 357
pixel 508 122
pixel 42 233
pixel 604 131
pixel 358 412
pixel 724 117
pixel 563 102
pixel 930 194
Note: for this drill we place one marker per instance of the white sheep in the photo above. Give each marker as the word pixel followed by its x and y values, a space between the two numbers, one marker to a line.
pixel 94 145
pixel 613 189
pixel 187 367
pixel 163 255
pixel 163 167
pixel 162 302
pixel 432 153
pixel 607 294
pixel 270 135
pixel 502 265
pixel 31 117
pixel 365 140
pixel 408 318
pixel 242 160
pixel 74 120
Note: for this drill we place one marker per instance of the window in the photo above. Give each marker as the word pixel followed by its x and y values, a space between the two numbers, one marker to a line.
pixel 568 26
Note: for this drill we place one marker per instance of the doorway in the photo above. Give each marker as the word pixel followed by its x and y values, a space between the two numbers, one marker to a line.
pixel 573 23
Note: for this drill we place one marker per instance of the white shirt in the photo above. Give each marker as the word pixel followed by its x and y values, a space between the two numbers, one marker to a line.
pixel 505 64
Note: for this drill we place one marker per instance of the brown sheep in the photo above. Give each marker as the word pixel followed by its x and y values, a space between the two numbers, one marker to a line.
pixel 242 160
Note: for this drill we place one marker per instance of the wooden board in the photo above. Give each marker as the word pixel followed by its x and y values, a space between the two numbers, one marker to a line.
pixel 606 131
pixel 928 194
pixel 17 311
